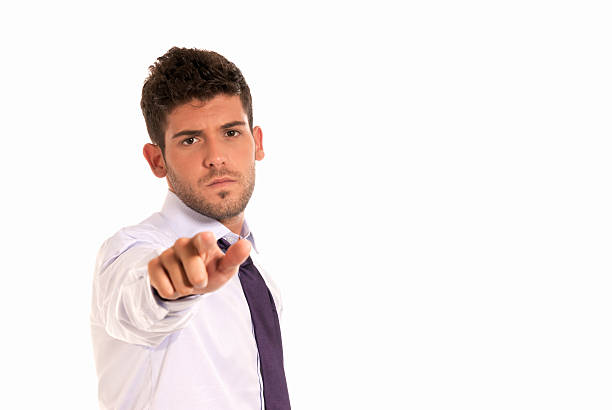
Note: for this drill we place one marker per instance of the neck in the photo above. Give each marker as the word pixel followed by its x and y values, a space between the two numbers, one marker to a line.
pixel 234 224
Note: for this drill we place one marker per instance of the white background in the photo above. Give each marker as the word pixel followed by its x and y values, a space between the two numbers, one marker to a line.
pixel 434 201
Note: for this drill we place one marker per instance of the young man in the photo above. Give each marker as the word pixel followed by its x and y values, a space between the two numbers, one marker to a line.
pixel 184 316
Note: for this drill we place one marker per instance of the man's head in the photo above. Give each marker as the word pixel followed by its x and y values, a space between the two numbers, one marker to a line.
pixel 197 108
pixel 182 75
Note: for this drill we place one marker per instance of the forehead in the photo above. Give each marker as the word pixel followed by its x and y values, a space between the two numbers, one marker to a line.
pixel 203 115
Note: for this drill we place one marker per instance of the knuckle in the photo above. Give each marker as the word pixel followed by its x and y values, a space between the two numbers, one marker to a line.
pixel 182 242
pixel 197 277
pixel 205 238
pixel 164 294
pixel 167 255
pixel 154 268
pixel 183 290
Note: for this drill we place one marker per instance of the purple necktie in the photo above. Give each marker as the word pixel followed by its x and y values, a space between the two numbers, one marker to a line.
pixel 267 333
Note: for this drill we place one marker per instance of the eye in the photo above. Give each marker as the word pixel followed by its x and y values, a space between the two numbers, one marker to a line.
pixel 232 133
pixel 192 139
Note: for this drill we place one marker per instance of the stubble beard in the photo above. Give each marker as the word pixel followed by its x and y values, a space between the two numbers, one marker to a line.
pixel 224 209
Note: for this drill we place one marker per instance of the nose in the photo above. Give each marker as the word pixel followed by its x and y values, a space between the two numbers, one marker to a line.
pixel 215 155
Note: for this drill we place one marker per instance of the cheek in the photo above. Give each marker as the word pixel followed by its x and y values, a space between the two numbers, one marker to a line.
pixel 246 155
pixel 184 166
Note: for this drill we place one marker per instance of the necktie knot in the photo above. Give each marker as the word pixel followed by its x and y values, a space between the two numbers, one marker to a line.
pixel 223 244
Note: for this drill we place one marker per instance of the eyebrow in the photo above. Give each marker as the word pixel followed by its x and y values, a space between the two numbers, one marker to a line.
pixel 187 132
pixel 199 132
pixel 233 124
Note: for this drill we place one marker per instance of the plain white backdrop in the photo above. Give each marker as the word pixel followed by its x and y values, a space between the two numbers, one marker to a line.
pixel 434 202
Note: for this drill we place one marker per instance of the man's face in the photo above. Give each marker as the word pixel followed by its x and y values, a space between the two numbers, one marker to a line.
pixel 206 141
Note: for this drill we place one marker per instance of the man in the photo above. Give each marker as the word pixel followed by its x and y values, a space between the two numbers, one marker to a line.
pixel 184 316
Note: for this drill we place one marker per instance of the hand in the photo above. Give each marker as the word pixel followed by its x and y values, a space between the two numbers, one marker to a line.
pixel 194 266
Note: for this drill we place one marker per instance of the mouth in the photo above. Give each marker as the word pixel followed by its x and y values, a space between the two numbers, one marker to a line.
pixel 221 182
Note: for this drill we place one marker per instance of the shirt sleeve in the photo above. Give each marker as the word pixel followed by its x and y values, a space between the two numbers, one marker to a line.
pixel 127 307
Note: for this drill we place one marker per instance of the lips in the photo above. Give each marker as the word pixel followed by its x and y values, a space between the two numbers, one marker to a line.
pixel 220 180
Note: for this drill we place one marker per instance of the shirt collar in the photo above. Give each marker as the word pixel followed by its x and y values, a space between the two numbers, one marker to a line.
pixel 185 222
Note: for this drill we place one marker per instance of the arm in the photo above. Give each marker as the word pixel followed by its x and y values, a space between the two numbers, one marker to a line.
pixel 144 292
pixel 126 305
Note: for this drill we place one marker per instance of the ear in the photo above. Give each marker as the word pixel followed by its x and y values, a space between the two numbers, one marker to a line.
pixel 258 137
pixel 154 157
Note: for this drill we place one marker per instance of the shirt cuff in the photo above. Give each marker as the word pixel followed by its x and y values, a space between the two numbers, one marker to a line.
pixel 174 305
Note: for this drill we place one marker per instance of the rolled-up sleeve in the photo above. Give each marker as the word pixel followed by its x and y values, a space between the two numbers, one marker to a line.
pixel 125 304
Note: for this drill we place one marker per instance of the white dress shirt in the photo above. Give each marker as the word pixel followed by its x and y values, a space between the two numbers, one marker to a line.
pixel 198 352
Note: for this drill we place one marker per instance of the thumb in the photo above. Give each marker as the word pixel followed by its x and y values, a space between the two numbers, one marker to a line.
pixel 235 255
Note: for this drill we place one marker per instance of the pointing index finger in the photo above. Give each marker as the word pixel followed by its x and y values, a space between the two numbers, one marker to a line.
pixel 204 243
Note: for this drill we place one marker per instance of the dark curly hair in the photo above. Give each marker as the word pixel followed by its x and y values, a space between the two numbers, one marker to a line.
pixel 183 74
